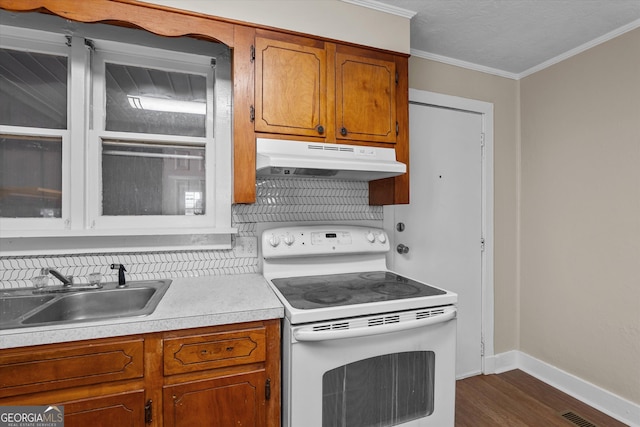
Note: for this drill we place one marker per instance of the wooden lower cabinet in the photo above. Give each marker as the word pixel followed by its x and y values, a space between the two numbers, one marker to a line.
pixel 123 409
pixel 232 401
pixel 219 376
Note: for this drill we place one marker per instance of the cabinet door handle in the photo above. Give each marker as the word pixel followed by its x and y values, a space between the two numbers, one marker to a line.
pixel 267 389
pixel 343 131
pixel 320 129
pixel 148 411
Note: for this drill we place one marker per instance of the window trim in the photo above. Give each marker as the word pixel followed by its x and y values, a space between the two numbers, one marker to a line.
pixel 26 235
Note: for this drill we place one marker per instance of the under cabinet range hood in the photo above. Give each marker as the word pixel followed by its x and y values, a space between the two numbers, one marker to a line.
pixel 296 159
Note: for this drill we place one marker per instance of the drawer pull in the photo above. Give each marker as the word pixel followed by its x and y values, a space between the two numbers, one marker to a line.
pixel 230 348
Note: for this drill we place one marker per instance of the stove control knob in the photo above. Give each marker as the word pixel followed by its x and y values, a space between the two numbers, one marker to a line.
pixel 370 237
pixel 289 239
pixel 274 240
pixel 382 238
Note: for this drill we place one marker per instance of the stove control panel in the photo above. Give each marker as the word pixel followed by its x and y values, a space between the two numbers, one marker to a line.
pixel 314 240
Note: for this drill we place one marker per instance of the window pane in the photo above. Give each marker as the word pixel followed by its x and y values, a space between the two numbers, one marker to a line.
pixel 30 177
pixel 145 100
pixel 381 391
pixel 33 89
pixel 152 179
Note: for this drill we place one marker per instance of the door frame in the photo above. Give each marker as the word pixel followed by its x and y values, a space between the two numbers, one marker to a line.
pixel 485 109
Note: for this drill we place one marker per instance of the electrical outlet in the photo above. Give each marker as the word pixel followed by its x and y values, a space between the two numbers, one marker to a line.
pixel 246 247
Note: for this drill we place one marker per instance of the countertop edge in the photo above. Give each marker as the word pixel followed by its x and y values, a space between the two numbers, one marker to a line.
pixel 189 303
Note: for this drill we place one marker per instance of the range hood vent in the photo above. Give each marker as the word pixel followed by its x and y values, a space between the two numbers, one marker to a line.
pixel 297 159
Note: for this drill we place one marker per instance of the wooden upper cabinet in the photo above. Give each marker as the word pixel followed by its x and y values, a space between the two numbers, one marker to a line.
pixel 365 98
pixel 309 88
pixel 291 80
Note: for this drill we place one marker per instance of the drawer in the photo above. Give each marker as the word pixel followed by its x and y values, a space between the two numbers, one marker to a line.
pixel 57 366
pixel 204 351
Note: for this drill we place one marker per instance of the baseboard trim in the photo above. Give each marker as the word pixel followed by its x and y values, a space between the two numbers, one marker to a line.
pixel 613 405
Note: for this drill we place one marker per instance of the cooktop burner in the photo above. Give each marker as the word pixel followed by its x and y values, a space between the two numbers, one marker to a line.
pixel 308 292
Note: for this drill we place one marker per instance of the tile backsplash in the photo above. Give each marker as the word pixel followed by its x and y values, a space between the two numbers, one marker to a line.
pixel 278 200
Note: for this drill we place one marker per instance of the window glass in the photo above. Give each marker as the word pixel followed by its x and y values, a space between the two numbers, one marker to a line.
pixel 33 89
pixel 146 100
pixel 152 179
pixel 381 391
pixel 30 177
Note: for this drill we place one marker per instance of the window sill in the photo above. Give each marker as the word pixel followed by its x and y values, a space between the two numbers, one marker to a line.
pixel 17 234
pixel 55 242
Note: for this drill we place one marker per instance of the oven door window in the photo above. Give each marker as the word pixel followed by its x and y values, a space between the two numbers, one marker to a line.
pixel 380 391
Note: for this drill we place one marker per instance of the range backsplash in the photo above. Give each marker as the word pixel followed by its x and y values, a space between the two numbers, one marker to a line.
pixel 278 200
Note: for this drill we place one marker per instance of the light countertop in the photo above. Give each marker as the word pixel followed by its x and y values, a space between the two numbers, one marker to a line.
pixel 189 303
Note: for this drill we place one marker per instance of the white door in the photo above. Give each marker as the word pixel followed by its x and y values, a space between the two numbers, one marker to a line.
pixel 443 222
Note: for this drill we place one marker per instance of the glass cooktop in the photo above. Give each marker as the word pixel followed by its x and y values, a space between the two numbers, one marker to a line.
pixel 308 292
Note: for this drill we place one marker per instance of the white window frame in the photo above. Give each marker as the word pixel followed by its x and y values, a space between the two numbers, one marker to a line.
pixel 82 228
pixel 43 42
pixel 122 54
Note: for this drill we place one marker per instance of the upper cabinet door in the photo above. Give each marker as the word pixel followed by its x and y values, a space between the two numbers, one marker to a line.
pixel 365 98
pixel 291 80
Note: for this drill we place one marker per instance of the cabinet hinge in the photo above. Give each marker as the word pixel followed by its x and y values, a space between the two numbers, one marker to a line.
pixel 252 114
pixel 482 347
pixel 68 42
pixel 267 389
pixel 482 244
pixel 397 129
pixel 148 412
pixel 397 78
pixel 213 63
pixel 482 139
pixel 253 53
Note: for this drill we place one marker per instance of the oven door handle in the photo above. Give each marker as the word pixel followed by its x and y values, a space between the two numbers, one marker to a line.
pixel 307 334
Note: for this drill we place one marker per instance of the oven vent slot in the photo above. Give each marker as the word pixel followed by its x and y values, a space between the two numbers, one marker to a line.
pixel 383 320
pixel 429 313
pixel 330 326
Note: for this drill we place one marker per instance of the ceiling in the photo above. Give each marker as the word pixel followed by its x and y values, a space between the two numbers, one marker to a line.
pixel 512 38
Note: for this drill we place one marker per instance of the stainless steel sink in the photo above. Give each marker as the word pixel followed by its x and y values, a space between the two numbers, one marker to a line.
pixel 140 298
pixel 13 307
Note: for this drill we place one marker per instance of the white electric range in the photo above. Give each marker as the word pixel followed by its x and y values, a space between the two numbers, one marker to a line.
pixel 362 345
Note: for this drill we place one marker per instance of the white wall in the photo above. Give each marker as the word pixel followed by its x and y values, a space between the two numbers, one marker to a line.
pixel 327 18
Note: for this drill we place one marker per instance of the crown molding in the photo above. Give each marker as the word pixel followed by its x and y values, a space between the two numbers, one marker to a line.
pixel 463 64
pixel 517 76
pixel 383 7
pixel 577 50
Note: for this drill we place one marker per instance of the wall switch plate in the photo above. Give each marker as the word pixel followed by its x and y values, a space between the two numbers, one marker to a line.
pixel 246 247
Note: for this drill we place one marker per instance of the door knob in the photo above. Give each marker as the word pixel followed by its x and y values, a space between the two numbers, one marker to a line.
pixel 402 249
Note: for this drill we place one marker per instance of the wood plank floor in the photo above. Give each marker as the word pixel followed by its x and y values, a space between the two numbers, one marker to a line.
pixel 516 399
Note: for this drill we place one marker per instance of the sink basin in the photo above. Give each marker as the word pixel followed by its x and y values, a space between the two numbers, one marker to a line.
pixel 138 299
pixel 13 307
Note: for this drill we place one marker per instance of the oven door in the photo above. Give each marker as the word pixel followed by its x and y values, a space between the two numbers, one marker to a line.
pixel 381 370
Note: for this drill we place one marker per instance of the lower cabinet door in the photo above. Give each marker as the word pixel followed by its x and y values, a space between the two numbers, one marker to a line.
pixel 234 401
pixel 123 409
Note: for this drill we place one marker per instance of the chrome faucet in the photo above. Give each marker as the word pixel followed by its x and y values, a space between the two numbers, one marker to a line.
pixel 67 281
